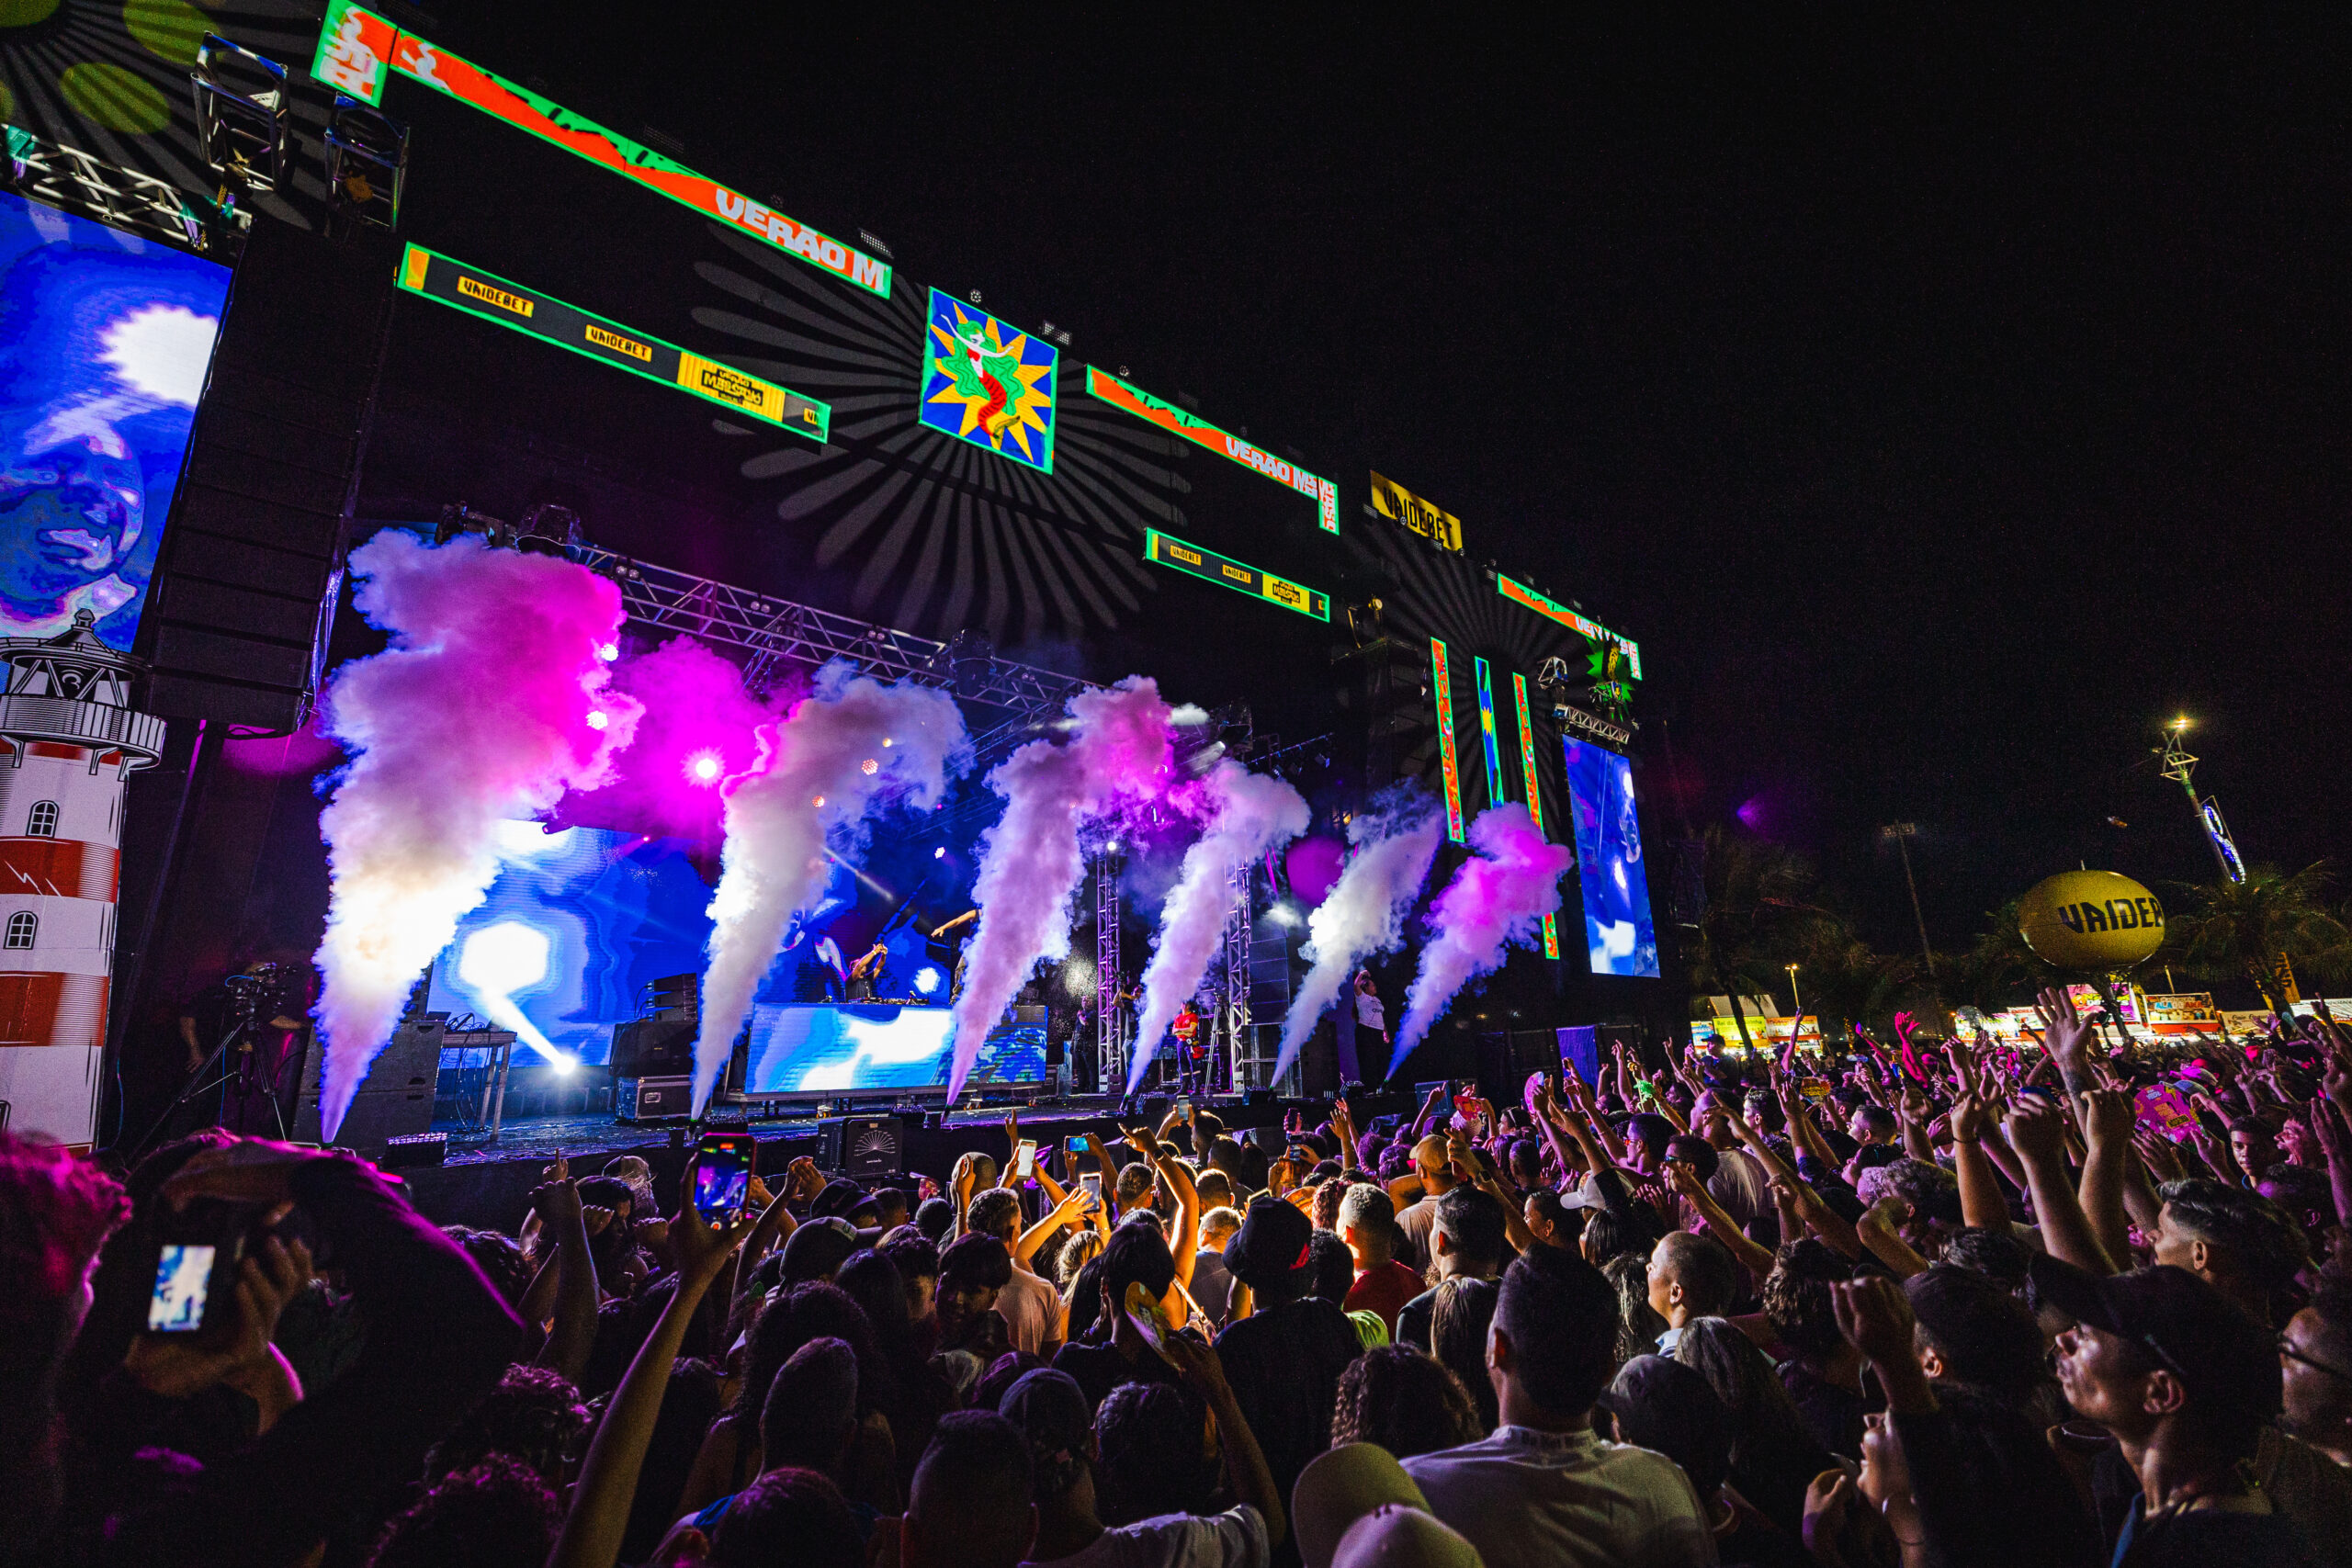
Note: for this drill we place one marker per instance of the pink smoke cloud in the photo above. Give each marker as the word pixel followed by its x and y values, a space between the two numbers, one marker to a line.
pixel 1365 911
pixel 696 707
pixel 1499 897
pixel 1030 861
pixel 490 703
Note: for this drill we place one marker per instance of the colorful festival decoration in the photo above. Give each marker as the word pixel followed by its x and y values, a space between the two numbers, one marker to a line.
pixel 989 383
pixel 1441 692
pixel 356 47
pixel 1201 433
pixel 1534 791
pixel 1521 594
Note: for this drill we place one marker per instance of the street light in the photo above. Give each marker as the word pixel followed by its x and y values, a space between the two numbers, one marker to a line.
pixel 1792 991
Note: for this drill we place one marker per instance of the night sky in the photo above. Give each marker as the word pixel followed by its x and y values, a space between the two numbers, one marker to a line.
pixel 1942 404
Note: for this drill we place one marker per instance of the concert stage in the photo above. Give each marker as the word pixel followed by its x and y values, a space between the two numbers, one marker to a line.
pixel 490 1185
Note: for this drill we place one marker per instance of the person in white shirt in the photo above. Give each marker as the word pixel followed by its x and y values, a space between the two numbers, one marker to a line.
pixel 1030 1307
pixel 1544 1489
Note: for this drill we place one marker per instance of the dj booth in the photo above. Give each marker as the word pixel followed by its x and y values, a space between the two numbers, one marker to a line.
pixel 802 1053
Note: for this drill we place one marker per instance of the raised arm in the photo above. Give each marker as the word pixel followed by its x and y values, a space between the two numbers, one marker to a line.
pixel 2038 1133
pixel 576 1296
pixel 1753 1256
pixel 1981 1203
pixel 2107 1122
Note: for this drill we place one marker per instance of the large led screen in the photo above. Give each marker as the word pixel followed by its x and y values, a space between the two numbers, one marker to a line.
pixel 806 1050
pixel 107 338
pixel 1617 928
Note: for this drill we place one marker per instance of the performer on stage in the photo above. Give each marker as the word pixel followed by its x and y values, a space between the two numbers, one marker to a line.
pixel 1360 1024
pixel 1190 1051
pixel 952 943
pixel 865 975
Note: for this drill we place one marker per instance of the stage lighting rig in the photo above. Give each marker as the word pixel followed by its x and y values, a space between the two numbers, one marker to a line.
pixel 970 654
pixel 367 164
pixel 240 111
pixel 459 518
pixel 548 529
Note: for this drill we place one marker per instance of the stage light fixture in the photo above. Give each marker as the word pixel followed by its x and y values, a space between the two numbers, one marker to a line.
pixel 869 767
pixel 599 719
pixel 367 164
pixel 241 108
pixel 926 980
pixel 703 767
pixel 938 854
pixel 609 652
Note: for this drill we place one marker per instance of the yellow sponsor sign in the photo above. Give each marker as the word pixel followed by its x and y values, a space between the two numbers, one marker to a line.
pixel 604 338
pixel 1428 520
pixel 730 385
pixel 476 288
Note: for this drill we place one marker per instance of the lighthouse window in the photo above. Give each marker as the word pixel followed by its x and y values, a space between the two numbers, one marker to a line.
pixel 42 823
pixel 21 927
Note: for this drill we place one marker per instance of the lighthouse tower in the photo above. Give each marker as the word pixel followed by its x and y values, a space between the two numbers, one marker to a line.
pixel 68 740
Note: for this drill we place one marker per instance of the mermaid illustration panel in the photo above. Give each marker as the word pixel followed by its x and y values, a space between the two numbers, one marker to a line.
pixel 989 383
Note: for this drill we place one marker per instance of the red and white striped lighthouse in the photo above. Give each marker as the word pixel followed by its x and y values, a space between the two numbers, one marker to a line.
pixel 69 738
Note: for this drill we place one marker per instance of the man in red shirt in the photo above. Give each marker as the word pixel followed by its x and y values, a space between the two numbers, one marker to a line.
pixel 1368 1225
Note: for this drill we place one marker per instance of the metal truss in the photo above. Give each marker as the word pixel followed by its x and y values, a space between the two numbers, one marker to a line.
pixel 121 199
pixel 1110 1003
pixel 776 632
pixel 1233 978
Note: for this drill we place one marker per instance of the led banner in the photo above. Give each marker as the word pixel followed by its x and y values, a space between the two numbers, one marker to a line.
pixel 1193 428
pixel 550 319
pixel 356 47
pixel 1189 557
pixel 989 383
pixel 1428 520
pixel 1488 736
pixel 1534 791
pixel 1519 593
pixel 1441 689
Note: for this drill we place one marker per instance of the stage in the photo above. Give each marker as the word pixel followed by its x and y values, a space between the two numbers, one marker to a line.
pixel 489 1186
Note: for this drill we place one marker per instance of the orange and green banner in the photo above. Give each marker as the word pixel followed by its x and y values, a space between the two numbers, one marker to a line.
pixel 1534 790
pixel 1593 631
pixel 1258 583
pixel 356 47
pixel 1441 689
pixel 1201 433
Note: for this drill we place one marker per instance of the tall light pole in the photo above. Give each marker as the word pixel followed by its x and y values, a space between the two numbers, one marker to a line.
pixel 2180 767
pixel 1792 991
pixel 1903 833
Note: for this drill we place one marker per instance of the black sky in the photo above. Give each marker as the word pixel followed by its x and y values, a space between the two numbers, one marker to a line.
pixel 1941 401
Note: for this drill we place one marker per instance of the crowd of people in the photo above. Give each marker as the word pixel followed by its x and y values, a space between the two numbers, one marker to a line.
pixel 1948 1305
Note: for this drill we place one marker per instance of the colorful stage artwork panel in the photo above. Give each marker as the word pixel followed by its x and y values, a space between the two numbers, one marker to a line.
pixel 1618 928
pixel 988 382
pixel 108 342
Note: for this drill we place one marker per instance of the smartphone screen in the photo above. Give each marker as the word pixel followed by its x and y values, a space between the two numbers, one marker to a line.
pixel 722 1175
pixel 1090 1183
pixel 1184 1108
pixel 1024 1159
pixel 183 1279
pixel 1082 1144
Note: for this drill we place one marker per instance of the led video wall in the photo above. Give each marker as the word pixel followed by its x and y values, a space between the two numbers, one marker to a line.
pixel 108 338
pixel 813 1050
pixel 1618 930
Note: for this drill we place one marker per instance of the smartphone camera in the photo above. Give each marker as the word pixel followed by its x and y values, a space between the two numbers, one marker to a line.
pixel 722 1175
pixel 195 1267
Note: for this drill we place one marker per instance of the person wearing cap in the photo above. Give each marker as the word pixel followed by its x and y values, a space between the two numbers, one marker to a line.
pixel 1544 1489
pixel 1343 1487
pixel 1051 1412
pixel 2185 1382
pixel 1285 1357
pixel 1433 1163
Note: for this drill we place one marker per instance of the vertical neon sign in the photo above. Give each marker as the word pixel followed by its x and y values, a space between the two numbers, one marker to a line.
pixel 1488 735
pixel 1534 792
pixel 1442 688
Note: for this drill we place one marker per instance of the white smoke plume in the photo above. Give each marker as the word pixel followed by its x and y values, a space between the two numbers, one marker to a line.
pixel 490 703
pixel 1030 861
pixel 1363 914
pixel 1499 897
pixel 817 772
pixel 1251 813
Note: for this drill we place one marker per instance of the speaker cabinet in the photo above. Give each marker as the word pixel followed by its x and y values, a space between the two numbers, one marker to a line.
pixel 395 1100
pixel 654 1048
pixel 861 1147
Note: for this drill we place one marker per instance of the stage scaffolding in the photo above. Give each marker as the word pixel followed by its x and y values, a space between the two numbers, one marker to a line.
pixel 1111 1019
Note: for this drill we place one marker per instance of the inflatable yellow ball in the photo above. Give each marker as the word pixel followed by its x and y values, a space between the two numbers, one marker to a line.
pixel 2091 920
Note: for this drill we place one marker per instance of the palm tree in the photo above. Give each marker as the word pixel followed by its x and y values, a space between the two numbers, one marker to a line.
pixel 1756 919
pixel 2241 929
pixel 1999 964
pixel 1847 981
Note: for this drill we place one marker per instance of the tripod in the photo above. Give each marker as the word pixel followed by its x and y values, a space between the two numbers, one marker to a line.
pixel 247 1001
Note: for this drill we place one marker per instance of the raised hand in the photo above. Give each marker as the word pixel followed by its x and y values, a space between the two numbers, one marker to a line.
pixel 2036 1130
pixel 703 1249
pixel 556 1201
pixel 2067 1035
pixel 1875 1317
pixel 181 1366
pixel 2106 1117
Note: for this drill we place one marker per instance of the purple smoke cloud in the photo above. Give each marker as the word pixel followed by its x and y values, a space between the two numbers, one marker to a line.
pixel 1499 897
pixel 1030 861
pixel 817 772
pixel 490 702
pixel 1250 814
pixel 1365 911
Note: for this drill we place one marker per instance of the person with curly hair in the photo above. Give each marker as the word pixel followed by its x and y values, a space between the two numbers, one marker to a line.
pixel 495 1514
pixel 1405 1401
pixel 532 1416
pixel 1820 1369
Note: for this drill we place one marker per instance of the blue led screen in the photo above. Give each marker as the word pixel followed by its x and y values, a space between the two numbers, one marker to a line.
pixel 105 342
pixel 1618 930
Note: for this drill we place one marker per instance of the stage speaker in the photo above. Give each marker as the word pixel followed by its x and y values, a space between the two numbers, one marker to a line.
pixel 653 1098
pixel 395 1100
pixel 861 1147
pixel 653 1048
pixel 251 565
pixel 1029 1012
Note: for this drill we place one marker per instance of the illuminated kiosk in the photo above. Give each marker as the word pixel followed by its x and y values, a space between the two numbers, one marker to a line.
pixel 68 740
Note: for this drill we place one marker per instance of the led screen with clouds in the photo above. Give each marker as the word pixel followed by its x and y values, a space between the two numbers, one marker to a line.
pixel 107 341
pixel 1618 930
